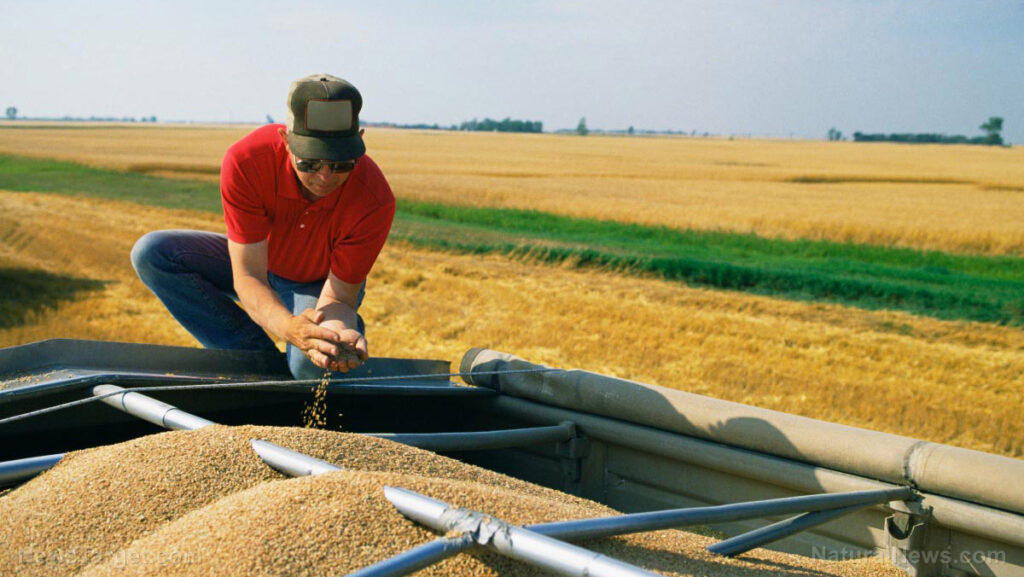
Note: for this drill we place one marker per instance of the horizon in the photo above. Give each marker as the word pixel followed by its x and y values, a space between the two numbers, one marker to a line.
pixel 617 132
pixel 785 69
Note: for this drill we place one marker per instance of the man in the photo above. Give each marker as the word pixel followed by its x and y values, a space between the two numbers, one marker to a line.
pixel 307 213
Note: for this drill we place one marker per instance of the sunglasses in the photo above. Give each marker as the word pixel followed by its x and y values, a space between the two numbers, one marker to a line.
pixel 305 165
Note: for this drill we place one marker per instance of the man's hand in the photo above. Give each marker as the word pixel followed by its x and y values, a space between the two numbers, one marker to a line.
pixel 329 345
pixel 352 350
pixel 338 302
pixel 319 343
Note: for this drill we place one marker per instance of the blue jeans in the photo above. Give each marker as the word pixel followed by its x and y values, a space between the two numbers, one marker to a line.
pixel 190 272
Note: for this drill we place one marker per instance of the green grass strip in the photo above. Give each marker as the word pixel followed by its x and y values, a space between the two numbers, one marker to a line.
pixel 39 175
pixel 953 287
pixel 740 248
pixel 937 284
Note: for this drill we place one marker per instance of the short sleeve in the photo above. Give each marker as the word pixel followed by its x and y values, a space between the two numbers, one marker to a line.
pixel 245 215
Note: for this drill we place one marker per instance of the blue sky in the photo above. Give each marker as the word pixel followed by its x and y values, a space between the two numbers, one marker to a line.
pixel 778 68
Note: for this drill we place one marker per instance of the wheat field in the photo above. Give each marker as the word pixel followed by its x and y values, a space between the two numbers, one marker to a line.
pixel 958 383
pixel 952 382
pixel 965 199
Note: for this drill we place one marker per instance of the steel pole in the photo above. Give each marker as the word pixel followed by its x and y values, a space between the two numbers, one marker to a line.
pixel 149 409
pixel 479 440
pixel 509 540
pixel 159 413
pixel 146 408
pixel 418 557
pixel 747 541
pixel 291 462
pixel 657 520
pixel 14 472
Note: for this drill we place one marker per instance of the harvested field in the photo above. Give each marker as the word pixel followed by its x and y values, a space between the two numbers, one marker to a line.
pixel 949 382
pixel 950 198
pixel 88 239
pixel 201 503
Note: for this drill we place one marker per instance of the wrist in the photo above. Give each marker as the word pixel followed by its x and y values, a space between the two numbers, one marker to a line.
pixel 280 324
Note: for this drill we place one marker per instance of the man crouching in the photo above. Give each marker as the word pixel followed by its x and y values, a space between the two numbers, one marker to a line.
pixel 307 213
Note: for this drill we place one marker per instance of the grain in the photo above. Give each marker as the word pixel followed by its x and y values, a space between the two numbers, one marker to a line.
pixel 314 415
pixel 201 503
pixel 97 501
pixel 337 523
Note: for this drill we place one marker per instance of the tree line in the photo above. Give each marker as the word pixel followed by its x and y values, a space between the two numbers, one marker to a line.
pixel 12 114
pixel 506 125
pixel 992 137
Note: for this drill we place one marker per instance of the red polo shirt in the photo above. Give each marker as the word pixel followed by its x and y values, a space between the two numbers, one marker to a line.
pixel 342 233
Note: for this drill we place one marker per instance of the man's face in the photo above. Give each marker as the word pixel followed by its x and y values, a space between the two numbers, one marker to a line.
pixel 321 182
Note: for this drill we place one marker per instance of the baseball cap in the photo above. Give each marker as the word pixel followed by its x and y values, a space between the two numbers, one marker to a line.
pixel 323 118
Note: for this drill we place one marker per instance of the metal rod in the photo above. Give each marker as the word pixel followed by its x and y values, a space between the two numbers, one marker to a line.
pixel 290 462
pixel 157 412
pixel 657 520
pixel 747 541
pixel 149 409
pixel 289 384
pixel 509 540
pixel 14 472
pixel 418 557
pixel 146 408
pixel 479 440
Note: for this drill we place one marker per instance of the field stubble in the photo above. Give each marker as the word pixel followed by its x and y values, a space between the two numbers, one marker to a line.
pixel 90 239
pixel 951 382
pixel 952 198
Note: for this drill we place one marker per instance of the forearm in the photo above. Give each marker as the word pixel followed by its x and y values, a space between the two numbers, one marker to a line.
pixel 338 315
pixel 263 305
pixel 301 330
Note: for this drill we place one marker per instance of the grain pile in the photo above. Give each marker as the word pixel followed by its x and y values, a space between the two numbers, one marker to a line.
pixel 97 501
pixel 338 523
pixel 201 503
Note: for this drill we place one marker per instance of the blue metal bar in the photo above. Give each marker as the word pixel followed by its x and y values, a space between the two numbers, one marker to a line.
pixel 657 520
pixel 479 440
pixel 747 541
pixel 417 558
pixel 17 471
